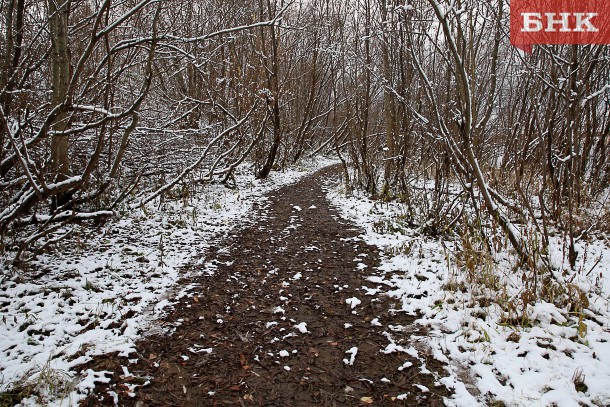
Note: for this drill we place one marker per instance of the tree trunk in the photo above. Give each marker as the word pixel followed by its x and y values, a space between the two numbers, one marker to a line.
pixel 273 83
pixel 60 70
pixel 389 105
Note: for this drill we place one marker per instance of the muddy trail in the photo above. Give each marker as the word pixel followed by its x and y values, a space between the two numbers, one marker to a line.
pixel 281 314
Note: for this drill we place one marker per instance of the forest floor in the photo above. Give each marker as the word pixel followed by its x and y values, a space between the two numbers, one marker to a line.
pixel 288 291
pixel 281 314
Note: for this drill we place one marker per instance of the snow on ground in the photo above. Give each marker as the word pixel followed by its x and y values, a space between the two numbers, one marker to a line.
pixel 545 355
pixel 97 292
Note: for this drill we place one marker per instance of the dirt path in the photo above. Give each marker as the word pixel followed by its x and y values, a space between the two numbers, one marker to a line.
pixel 274 320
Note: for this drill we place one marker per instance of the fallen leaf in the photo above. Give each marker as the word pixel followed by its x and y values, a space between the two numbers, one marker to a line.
pixel 152 356
pixel 367 400
pixel 249 397
pixel 243 362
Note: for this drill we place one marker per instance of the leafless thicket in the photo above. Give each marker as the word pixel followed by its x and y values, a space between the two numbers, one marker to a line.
pixel 107 101
pixel 469 125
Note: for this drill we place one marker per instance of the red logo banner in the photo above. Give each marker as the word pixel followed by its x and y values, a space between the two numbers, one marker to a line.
pixel 535 22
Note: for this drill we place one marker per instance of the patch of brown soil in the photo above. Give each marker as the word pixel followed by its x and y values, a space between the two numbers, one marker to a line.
pixel 236 338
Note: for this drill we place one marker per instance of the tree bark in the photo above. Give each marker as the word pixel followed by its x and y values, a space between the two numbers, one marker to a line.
pixel 389 104
pixel 60 69
pixel 274 105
